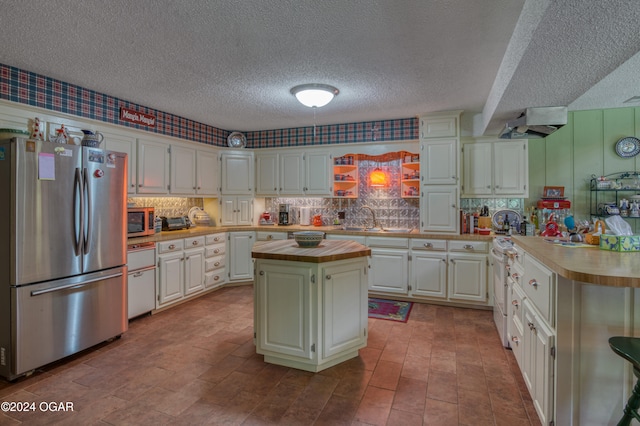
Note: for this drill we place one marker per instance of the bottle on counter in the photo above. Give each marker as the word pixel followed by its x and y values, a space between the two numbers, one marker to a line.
pixel 534 220
pixel 506 227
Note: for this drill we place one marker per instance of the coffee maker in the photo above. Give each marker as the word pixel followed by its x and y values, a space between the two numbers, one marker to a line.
pixel 283 214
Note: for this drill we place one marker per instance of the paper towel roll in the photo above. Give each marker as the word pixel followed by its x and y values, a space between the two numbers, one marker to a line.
pixel 305 216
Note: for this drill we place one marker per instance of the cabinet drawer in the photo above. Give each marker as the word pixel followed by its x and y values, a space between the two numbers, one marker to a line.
pixel 469 246
pixel 214 263
pixel 518 255
pixel 388 242
pixel 516 341
pixel 426 244
pixel 515 304
pixel 216 250
pixel 193 242
pixel 214 238
pixel 170 246
pixel 139 259
pixel 539 287
pixel 214 278
pixel 269 236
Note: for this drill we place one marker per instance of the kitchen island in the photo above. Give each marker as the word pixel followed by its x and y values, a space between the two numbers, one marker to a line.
pixel 310 304
pixel 592 295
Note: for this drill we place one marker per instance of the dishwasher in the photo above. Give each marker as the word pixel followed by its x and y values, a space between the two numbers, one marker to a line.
pixel 141 282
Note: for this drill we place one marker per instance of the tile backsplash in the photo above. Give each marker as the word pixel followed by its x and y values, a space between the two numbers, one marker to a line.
pixel 166 206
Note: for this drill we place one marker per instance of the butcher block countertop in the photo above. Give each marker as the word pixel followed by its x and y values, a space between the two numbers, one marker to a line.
pixel 589 265
pixel 327 251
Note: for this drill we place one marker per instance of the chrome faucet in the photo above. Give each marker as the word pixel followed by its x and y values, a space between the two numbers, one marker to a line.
pixel 376 224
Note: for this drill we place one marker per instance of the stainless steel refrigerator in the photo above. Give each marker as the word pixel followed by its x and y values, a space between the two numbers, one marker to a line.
pixel 62 251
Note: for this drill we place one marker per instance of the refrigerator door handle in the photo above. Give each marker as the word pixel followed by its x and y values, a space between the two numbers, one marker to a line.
pixel 75 285
pixel 78 204
pixel 87 192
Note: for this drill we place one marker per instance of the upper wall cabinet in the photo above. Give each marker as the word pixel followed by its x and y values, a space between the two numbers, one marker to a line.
pixel 193 172
pixel 207 173
pixel 293 173
pixel 438 127
pixel 153 167
pixel 497 168
pixel 126 144
pixel 440 162
pixel 237 173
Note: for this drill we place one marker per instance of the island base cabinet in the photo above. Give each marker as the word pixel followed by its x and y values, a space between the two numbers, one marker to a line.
pixel 310 316
pixel 538 362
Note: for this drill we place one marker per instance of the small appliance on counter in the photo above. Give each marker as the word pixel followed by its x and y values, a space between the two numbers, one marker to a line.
pixel 283 214
pixel 175 223
pixel 199 217
pixel 305 216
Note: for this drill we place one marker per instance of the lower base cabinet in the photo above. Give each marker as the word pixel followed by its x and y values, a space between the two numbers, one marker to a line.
pixel 240 265
pixel 310 316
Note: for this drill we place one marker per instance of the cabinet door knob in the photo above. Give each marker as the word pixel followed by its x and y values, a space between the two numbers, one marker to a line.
pixel 531 326
pixel 194 243
pixel 172 246
pixel 533 282
pixel 216 264
pixel 261 272
pixel 216 251
pixel 328 277
pixel 515 303
pixel 453 205
pixel 515 339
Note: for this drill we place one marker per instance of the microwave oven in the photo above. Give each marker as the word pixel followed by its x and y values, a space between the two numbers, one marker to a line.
pixel 140 221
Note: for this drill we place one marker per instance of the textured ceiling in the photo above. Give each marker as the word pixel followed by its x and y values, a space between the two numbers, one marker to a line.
pixel 231 64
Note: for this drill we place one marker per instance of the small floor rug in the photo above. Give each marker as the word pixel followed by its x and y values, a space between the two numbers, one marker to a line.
pixel 391 310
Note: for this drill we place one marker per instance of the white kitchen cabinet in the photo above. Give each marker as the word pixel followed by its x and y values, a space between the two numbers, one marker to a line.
pixel 126 144
pixel 207 173
pixel 437 126
pixel 283 304
pixel 310 316
pixel 318 172
pixel 468 277
pixel 236 210
pixel 267 174
pixel 183 170
pixel 180 269
pixel 538 361
pixel 193 271
pixel 292 179
pixel 294 173
pixel 389 265
pixel 215 260
pixel 477 169
pixel 170 272
pixel 240 265
pixel 439 163
pixel 237 173
pixel 428 274
pixel 439 210
pixel 153 167
pixel 496 169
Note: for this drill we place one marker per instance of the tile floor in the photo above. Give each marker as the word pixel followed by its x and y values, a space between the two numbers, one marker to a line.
pixel 195 364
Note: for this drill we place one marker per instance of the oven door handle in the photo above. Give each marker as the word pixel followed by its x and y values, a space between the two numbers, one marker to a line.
pixel 497 257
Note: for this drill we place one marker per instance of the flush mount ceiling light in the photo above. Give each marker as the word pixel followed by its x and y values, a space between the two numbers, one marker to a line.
pixel 314 95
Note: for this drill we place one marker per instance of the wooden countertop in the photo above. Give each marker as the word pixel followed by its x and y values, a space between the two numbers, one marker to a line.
pixel 204 230
pixel 327 251
pixel 590 265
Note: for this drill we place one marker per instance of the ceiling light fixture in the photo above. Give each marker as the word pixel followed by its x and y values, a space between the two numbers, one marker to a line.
pixel 314 95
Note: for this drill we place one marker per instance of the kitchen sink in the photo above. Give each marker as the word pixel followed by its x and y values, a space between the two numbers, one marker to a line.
pixel 354 228
pixel 397 230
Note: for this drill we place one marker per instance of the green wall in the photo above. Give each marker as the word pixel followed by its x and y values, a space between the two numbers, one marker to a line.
pixel 584 147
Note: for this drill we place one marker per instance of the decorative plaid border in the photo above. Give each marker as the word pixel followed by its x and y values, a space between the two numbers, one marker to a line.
pixel 25 87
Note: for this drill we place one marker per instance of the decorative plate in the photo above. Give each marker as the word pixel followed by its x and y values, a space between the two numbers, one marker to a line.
pixel 237 140
pixel 628 147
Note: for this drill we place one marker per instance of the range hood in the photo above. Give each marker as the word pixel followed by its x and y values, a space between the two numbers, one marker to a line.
pixel 535 123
